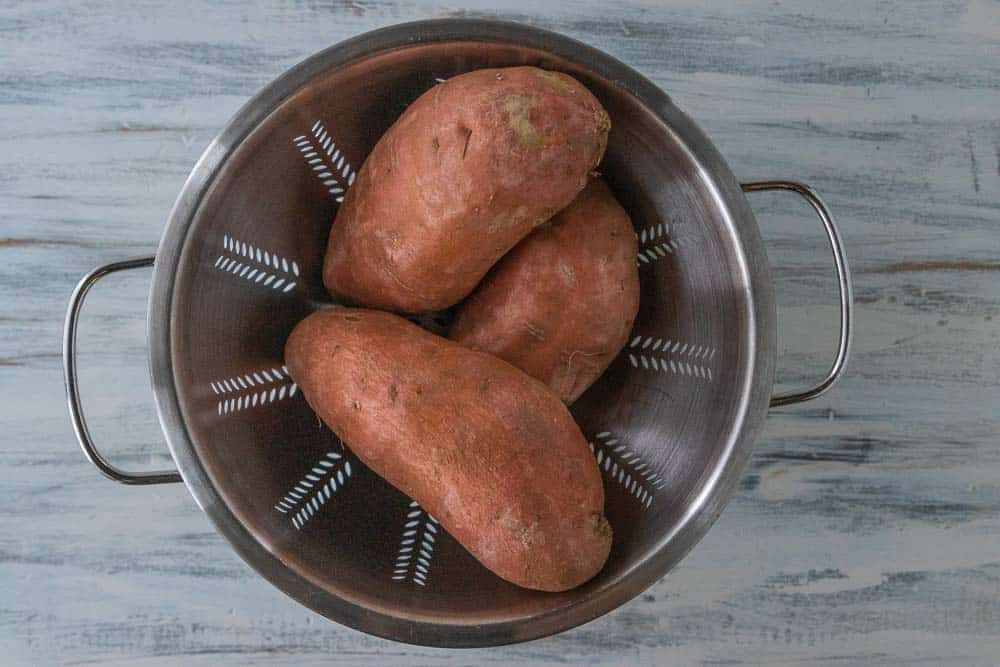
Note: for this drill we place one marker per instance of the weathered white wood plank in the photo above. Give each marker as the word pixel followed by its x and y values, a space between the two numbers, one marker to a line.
pixel 865 530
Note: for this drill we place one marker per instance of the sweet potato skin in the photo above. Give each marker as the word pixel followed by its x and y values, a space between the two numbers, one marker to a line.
pixel 561 304
pixel 490 452
pixel 469 169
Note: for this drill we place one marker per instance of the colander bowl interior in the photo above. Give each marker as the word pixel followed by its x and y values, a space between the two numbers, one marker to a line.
pixel 670 422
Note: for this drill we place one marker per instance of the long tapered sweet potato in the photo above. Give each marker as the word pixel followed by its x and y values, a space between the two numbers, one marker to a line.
pixel 469 169
pixel 492 453
pixel 561 304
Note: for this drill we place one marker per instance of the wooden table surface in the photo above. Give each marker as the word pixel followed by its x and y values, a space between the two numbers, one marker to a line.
pixel 867 529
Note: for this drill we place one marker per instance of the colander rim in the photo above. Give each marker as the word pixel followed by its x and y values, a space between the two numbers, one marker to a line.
pixel 754 395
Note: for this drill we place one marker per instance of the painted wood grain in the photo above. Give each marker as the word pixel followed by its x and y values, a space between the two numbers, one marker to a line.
pixel 866 530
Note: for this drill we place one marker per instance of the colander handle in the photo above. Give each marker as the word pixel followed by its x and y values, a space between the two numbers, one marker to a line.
pixel 843 281
pixel 73 391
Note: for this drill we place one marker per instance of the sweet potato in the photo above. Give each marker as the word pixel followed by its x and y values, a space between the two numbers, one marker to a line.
pixel 490 452
pixel 560 306
pixel 469 169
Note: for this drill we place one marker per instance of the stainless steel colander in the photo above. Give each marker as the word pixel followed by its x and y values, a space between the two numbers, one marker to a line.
pixel 671 423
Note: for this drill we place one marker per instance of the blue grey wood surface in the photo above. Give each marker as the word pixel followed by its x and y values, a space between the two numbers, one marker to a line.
pixel 867 529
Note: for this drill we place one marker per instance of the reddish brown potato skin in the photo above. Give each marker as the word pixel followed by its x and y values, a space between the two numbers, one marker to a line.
pixel 561 305
pixel 490 452
pixel 466 172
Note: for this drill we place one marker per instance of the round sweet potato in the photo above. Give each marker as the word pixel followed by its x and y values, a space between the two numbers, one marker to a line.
pixel 490 452
pixel 469 169
pixel 561 304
